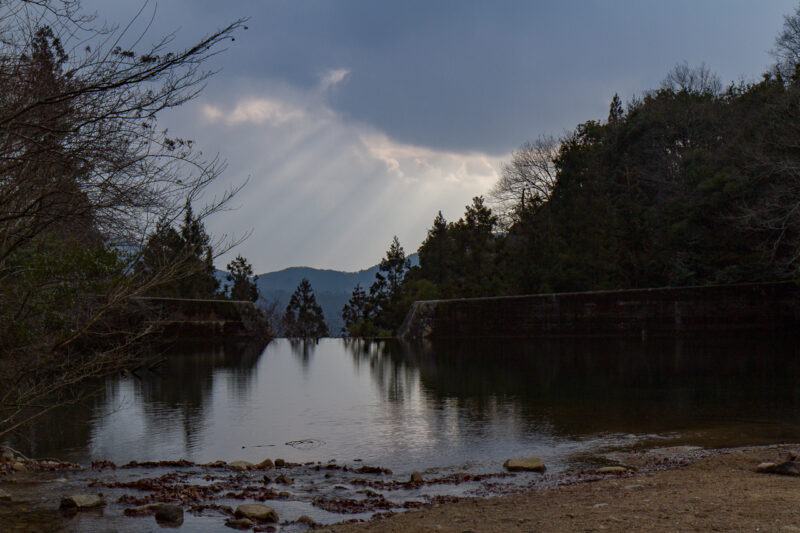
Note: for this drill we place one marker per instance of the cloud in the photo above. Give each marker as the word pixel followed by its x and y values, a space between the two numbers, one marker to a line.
pixel 418 163
pixel 332 77
pixel 257 110
pixel 325 190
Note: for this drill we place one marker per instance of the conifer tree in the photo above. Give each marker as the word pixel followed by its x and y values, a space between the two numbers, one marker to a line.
pixel 303 317
pixel 240 273
pixel 357 313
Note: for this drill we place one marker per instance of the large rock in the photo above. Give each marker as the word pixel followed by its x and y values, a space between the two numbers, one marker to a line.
pixel 416 477
pixel 240 465
pixel 82 501
pixel 525 464
pixel 788 468
pixel 257 512
pixel 169 514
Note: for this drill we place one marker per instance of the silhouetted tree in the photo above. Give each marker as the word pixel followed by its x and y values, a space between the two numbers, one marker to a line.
pixel 528 179
pixel 303 316
pixel 357 314
pixel 240 273
pixel 87 179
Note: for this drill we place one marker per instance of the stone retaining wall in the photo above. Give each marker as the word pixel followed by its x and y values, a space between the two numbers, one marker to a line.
pixel 771 309
pixel 217 320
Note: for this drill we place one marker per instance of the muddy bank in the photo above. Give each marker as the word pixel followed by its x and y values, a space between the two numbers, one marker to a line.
pixel 701 491
pixel 683 488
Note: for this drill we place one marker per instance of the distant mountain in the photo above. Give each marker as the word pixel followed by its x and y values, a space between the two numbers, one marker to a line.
pixel 331 287
pixel 321 280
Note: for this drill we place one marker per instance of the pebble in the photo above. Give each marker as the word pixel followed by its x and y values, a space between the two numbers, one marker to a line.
pixel 764 467
pixel 416 477
pixel 239 523
pixel 305 519
pixel 284 479
pixel 612 470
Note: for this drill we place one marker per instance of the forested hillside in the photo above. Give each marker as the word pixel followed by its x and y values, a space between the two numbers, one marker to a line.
pixel 693 183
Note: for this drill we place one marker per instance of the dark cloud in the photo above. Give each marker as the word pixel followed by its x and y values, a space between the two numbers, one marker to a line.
pixel 471 75
pixel 437 93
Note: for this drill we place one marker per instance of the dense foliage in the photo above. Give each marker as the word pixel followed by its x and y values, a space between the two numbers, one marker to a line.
pixel 90 192
pixel 376 314
pixel 692 184
pixel 240 274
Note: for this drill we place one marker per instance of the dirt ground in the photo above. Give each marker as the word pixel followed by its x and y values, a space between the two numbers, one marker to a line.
pixel 720 492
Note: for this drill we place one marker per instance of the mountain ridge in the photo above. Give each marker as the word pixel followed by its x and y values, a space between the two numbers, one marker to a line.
pixel 332 288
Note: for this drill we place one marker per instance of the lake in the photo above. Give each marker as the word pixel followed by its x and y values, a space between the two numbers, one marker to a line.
pixel 469 404
pixel 438 409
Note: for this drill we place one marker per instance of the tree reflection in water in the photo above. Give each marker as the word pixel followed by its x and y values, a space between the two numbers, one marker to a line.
pixel 432 404
pixel 176 392
pixel 585 387
pixel 304 350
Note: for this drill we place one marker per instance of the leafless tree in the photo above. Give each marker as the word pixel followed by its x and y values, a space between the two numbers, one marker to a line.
pixel 772 210
pixel 693 80
pixel 787 46
pixel 528 179
pixel 86 175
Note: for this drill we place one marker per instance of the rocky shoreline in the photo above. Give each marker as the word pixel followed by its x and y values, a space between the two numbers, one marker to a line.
pixel 235 494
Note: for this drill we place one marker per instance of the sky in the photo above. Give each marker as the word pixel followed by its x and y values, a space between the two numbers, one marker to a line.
pixel 354 121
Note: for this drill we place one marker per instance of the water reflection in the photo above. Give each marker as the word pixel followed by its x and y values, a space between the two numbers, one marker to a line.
pixel 303 349
pixel 436 405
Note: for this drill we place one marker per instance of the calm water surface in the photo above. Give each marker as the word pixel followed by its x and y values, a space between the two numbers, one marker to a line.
pixel 460 406
pixel 438 409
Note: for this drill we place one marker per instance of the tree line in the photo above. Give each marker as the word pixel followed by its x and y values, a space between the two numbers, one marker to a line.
pixel 693 183
pixel 96 200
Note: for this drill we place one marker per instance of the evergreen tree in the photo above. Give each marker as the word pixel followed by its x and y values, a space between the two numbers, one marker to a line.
pixel 187 253
pixel 436 253
pixel 384 293
pixel 357 314
pixel 240 273
pixel 615 110
pixel 303 317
